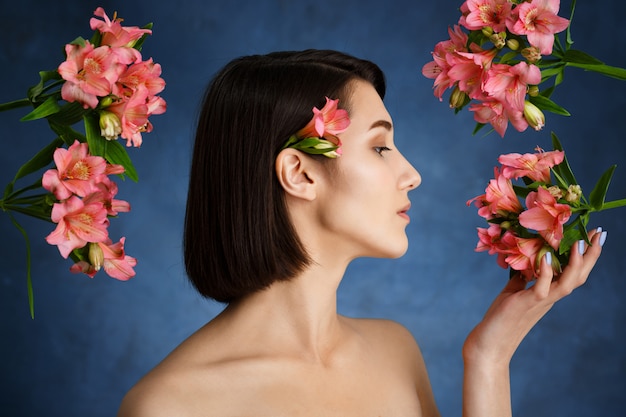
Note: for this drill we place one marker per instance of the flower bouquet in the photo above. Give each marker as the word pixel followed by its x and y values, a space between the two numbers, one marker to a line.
pixel 547 212
pixel 509 50
pixel 105 84
pixel 504 60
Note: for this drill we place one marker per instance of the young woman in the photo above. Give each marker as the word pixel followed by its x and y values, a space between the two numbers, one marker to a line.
pixel 281 199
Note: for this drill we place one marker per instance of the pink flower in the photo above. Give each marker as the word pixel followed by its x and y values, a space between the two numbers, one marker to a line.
pixel 326 123
pixel 535 166
pixel 114 260
pixel 133 113
pixel 470 70
pixel 146 73
pixel 546 216
pixel 443 59
pixel 508 84
pixel 522 255
pixel 538 20
pixel 78 224
pixel 485 13
pixel 91 72
pixel 113 33
pixel 499 198
pixel 77 172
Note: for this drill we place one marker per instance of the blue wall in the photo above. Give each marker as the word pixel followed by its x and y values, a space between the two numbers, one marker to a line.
pixel 92 339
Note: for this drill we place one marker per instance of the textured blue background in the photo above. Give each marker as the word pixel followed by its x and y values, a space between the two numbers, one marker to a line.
pixel 92 339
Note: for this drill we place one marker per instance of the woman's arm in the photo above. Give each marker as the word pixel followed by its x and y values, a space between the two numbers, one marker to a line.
pixel 488 349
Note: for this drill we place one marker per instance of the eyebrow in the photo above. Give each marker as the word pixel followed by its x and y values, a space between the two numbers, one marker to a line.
pixel 381 123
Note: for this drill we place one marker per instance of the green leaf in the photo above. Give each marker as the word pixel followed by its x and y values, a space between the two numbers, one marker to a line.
pixel 112 151
pixel 42 159
pixel 97 144
pixel 563 169
pixel 568 34
pixel 69 114
pixel 544 103
pixel 576 231
pixel 138 45
pixel 117 154
pixel 29 282
pixel 37 89
pixel 66 133
pixel 598 194
pixel 478 127
pixel 614 204
pixel 45 109
pixel 579 57
pixel 614 72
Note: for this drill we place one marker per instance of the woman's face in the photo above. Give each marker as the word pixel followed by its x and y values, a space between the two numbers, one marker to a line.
pixel 365 198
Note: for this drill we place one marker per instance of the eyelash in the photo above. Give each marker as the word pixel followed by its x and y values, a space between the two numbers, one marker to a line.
pixel 380 149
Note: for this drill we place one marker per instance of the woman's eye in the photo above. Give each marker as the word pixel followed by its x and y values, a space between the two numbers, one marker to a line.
pixel 380 149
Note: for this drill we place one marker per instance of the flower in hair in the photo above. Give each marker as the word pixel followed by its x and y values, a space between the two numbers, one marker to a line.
pixel 319 136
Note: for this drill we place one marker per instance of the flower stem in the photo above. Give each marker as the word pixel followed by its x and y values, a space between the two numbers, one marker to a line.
pixel 15 104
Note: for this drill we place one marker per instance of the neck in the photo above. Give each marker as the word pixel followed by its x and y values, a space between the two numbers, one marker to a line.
pixel 297 317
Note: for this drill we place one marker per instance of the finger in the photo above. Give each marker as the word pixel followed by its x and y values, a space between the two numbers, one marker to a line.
pixel 582 260
pixel 544 280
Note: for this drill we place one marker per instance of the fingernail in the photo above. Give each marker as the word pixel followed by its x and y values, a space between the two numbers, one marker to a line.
pixel 602 238
pixel 581 247
pixel 548 258
pixel 598 230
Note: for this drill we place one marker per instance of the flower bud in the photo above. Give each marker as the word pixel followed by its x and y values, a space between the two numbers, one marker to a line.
pixel 96 256
pixel 574 192
pixel 487 31
pixel 498 39
pixel 534 116
pixel 533 90
pixel 458 98
pixel 110 125
pixel 106 102
pixel 556 264
pixel 513 44
pixel 531 54
pixel 556 191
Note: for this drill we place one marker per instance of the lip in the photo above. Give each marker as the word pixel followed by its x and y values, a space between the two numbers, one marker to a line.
pixel 404 212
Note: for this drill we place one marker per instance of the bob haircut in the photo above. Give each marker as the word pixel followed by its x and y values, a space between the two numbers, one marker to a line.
pixel 238 236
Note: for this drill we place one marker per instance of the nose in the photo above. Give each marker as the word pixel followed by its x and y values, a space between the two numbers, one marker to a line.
pixel 410 178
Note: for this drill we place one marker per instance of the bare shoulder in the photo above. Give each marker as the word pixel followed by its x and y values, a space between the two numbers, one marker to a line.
pixel 172 387
pixel 401 352
pixel 388 335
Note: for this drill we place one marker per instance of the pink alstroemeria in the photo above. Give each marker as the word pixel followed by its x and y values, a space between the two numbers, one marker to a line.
pixel 443 59
pixel 146 73
pixel 133 113
pixel 78 224
pixel 113 33
pixel 91 72
pixel 523 253
pixel 470 70
pixel 478 14
pixel 545 215
pixel 114 260
pixel 538 20
pixel 535 166
pixel 77 172
pixel 491 240
pixel 509 84
pixel 326 123
pixel 499 197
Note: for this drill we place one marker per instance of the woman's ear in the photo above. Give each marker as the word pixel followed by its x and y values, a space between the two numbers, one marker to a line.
pixel 296 173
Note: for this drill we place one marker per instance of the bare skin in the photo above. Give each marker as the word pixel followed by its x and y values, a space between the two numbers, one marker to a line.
pixel 285 351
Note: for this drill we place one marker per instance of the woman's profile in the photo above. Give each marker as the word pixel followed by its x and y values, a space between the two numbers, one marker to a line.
pixel 295 174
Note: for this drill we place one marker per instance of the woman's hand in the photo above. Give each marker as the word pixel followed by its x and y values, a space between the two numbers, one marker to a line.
pixel 490 346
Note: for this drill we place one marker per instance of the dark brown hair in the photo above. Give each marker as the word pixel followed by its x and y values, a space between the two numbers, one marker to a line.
pixel 238 236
